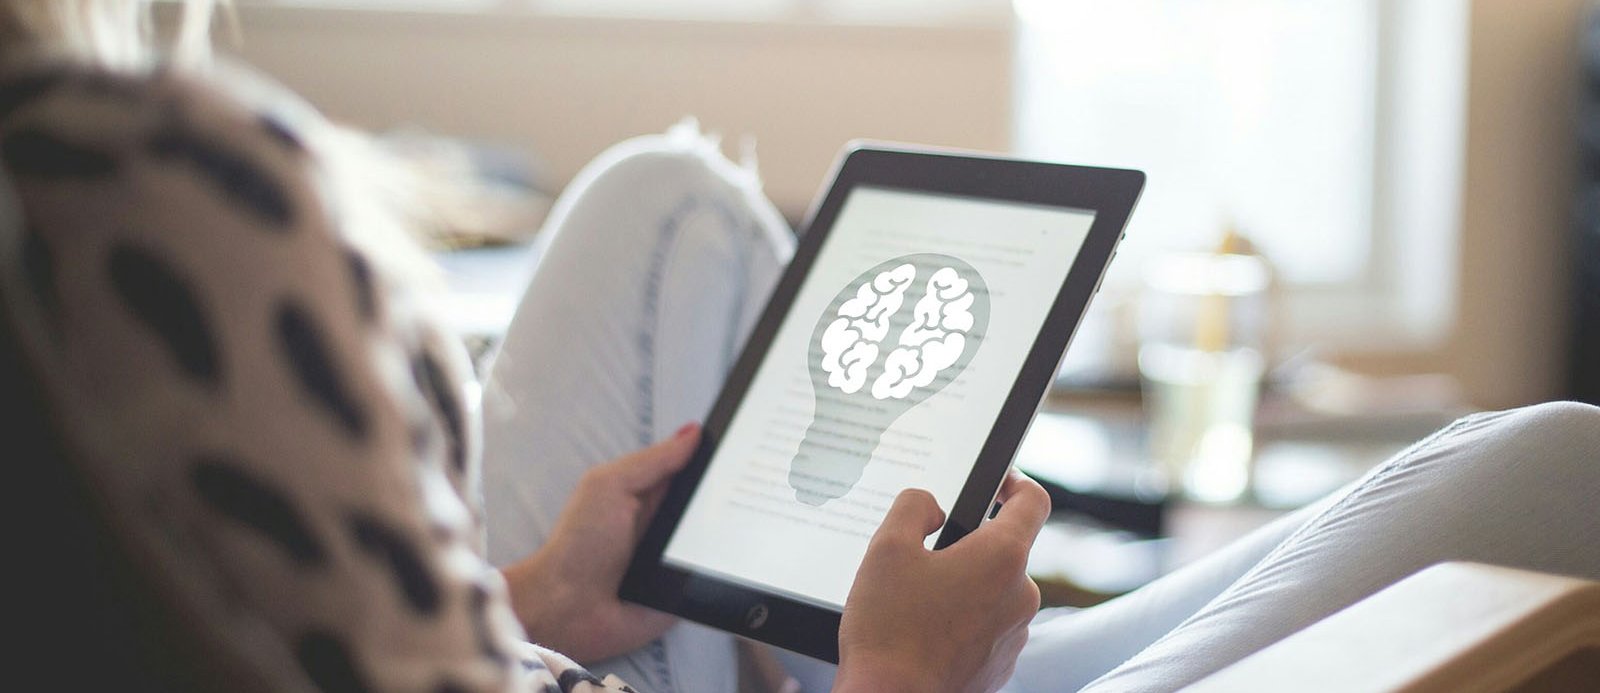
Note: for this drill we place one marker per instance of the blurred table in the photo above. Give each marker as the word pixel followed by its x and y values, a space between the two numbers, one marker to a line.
pixel 1116 527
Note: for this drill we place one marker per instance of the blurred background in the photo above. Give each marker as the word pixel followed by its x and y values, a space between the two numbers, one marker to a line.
pixel 1364 217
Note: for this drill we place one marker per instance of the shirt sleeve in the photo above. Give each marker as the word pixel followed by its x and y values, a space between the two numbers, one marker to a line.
pixel 270 421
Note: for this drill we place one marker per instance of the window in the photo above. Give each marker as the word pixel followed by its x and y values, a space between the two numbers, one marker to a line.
pixel 1329 131
pixel 1254 112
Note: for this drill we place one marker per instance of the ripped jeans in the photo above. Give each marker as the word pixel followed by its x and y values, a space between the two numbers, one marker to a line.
pixel 659 257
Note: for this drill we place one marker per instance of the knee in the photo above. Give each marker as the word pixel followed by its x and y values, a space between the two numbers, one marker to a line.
pixel 1574 413
pixel 668 166
pixel 1548 437
pixel 1562 421
pixel 678 180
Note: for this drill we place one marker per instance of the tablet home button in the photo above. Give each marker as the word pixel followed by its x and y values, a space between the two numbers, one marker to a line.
pixel 756 617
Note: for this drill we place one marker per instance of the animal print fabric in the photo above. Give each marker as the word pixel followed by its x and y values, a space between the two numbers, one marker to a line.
pixel 268 413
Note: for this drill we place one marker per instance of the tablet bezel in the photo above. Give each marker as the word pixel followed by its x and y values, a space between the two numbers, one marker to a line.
pixel 805 627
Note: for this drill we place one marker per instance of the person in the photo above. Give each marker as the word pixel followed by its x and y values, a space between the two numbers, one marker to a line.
pixel 214 302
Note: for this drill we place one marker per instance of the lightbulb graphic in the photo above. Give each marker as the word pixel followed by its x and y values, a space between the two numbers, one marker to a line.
pixel 925 315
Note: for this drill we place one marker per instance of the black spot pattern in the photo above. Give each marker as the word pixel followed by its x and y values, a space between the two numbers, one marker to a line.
pixel 327 662
pixel 449 687
pixel 479 609
pixel 234 175
pixel 570 679
pixel 391 548
pixel 281 133
pixel 312 365
pixel 441 394
pixel 151 290
pixel 21 91
pixel 35 153
pixel 39 268
pixel 361 277
pixel 254 503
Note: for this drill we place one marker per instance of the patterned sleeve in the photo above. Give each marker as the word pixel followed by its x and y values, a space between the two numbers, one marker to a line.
pixel 264 411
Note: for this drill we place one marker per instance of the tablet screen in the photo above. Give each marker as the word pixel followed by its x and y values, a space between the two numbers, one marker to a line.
pixel 888 372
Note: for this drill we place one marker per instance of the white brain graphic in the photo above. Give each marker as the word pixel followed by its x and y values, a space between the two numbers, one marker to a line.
pixel 933 342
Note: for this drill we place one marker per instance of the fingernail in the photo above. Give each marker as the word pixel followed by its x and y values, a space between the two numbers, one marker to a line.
pixel 686 429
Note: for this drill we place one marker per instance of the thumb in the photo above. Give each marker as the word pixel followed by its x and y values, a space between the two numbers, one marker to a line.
pixel 642 470
pixel 914 515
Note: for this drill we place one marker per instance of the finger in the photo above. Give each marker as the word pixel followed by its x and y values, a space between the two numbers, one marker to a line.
pixel 914 515
pixel 1028 606
pixel 649 503
pixel 1025 506
pixel 645 468
pixel 1014 481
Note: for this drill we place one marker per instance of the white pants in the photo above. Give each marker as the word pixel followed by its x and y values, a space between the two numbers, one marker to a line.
pixel 661 254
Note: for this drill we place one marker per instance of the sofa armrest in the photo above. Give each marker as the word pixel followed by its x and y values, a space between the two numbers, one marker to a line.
pixel 1451 627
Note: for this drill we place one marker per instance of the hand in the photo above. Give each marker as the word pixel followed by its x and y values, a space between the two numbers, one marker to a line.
pixel 565 594
pixel 947 620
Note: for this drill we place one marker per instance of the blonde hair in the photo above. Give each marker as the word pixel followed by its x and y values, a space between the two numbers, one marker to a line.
pixel 395 206
pixel 110 33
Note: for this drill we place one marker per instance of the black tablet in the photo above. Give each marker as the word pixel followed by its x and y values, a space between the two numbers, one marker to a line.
pixel 908 344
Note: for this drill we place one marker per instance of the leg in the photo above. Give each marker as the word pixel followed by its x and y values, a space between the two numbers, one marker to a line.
pixel 1067 650
pixel 1515 488
pixel 655 262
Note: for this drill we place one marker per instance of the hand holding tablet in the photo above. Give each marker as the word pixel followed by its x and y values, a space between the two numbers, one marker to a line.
pixel 908 345
pixel 884 635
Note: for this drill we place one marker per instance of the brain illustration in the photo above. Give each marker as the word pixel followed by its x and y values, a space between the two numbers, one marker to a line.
pixel 891 338
pixel 934 336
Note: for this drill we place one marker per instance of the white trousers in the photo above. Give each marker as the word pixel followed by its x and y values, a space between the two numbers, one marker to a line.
pixel 660 255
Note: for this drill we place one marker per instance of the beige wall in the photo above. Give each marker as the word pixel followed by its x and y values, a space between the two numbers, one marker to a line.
pixel 567 87
pixel 1521 161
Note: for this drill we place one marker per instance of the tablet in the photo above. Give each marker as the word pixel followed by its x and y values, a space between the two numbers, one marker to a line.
pixel 908 344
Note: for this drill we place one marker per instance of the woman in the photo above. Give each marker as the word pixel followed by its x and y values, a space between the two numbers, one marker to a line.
pixel 208 291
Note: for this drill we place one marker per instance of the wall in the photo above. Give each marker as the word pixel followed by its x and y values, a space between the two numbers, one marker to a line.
pixel 567 87
pixel 1521 164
